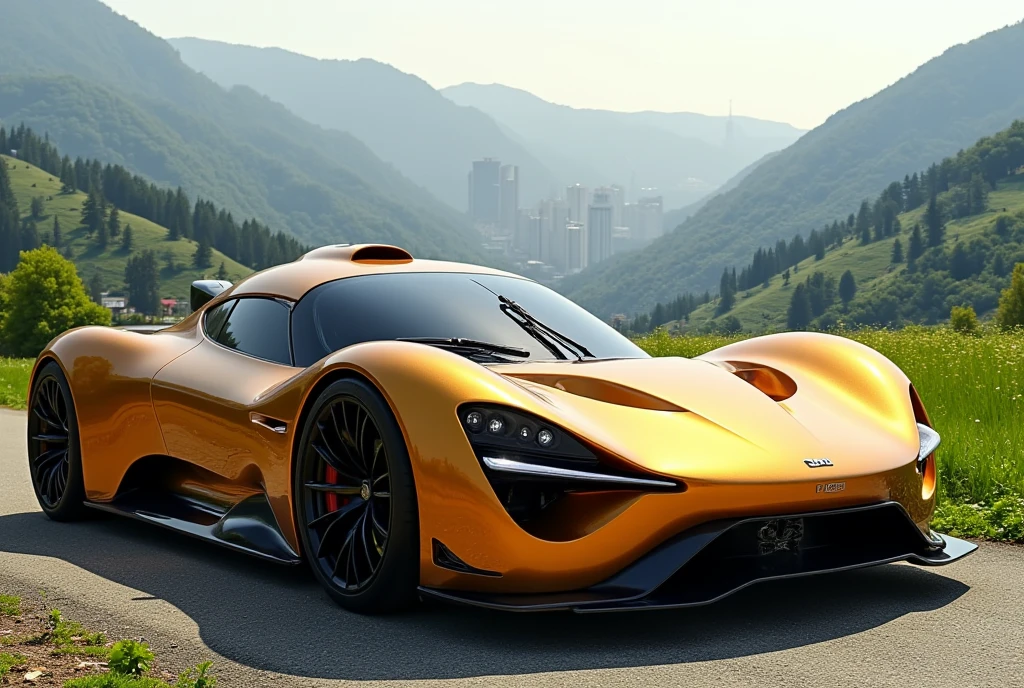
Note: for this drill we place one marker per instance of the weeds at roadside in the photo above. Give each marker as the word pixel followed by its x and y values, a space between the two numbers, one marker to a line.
pixel 10 605
pixel 9 661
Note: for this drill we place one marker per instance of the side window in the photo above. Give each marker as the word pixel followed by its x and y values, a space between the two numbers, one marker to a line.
pixel 258 327
pixel 215 318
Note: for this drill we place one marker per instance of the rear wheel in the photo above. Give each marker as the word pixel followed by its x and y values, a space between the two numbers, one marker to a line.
pixel 55 459
pixel 356 501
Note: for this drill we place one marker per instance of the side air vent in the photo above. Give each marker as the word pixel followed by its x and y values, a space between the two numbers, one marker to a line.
pixel 446 559
pixel 375 253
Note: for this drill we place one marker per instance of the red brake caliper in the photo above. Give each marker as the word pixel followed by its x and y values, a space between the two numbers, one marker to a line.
pixel 331 478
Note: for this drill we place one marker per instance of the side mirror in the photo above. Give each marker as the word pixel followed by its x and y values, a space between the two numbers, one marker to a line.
pixel 204 290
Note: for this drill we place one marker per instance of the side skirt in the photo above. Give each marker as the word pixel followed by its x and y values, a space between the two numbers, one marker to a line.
pixel 249 526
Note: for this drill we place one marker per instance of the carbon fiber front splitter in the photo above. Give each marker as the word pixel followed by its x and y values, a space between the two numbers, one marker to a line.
pixel 714 560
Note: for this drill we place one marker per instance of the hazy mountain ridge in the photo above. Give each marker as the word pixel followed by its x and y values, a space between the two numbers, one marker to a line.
pixel 683 155
pixel 399 116
pixel 237 147
pixel 944 105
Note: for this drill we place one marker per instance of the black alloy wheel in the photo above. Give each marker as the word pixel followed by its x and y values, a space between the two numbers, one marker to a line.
pixel 356 500
pixel 54 458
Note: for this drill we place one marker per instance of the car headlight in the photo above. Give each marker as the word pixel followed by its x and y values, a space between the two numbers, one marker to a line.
pixel 530 462
pixel 929 442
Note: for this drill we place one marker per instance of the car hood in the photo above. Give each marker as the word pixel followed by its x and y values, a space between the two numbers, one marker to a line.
pixel 702 420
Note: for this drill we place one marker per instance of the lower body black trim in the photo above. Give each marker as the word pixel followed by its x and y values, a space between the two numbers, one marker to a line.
pixel 716 559
pixel 249 526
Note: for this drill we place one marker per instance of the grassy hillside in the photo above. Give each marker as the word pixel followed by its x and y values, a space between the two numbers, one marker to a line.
pixel 105 88
pixel 945 105
pixel 29 182
pixel 764 308
pixel 399 116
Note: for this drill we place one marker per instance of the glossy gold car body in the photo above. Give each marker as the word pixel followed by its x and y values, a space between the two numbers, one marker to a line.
pixel 734 427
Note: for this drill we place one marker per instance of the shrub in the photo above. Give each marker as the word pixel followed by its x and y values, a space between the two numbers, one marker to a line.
pixel 44 297
pixel 197 677
pixel 964 320
pixel 1011 303
pixel 130 658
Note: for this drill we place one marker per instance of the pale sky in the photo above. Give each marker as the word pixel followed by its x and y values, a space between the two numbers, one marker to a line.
pixel 796 61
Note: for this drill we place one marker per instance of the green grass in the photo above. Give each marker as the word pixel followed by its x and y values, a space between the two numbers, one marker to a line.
pixel 8 662
pixel 28 182
pixel 14 373
pixel 973 388
pixel 764 309
pixel 10 605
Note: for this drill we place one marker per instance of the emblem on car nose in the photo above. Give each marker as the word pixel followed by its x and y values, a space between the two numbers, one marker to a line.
pixel 817 463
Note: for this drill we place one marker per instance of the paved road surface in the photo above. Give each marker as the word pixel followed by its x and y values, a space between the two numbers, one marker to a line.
pixel 264 625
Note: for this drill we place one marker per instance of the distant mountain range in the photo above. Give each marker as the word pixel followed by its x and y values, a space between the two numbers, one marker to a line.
pixel 943 106
pixel 105 88
pixel 683 155
pixel 399 116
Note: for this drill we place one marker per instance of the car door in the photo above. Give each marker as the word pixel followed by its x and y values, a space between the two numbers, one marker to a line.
pixel 203 398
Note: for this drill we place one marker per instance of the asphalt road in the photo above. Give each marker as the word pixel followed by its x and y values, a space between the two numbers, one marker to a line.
pixel 262 625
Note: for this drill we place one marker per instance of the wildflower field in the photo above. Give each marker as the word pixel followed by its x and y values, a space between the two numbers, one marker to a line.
pixel 973 388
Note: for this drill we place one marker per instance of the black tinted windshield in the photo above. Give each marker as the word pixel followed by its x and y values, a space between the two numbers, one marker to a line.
pixel 441 304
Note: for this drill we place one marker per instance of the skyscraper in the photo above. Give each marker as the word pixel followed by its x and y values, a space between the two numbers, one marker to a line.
pixel 649 212
pixel 576 251
pixel 578 198
pixel 509 203
pixel 599 228
pixel 485 191
pixel 554 214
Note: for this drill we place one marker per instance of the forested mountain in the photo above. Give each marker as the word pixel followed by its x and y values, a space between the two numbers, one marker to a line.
pixel 684 155
pixel 399 116
pixel 105 88
pixel 943 106
pixel 947 236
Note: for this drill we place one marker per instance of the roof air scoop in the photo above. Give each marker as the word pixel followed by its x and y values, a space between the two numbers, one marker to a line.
pixel 380 252
pixel 360 253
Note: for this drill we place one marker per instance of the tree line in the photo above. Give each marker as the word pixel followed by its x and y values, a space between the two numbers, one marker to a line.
pixel 954 188
pixel 114 187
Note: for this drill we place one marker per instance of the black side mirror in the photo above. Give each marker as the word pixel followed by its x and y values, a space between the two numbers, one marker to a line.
pixel 204 290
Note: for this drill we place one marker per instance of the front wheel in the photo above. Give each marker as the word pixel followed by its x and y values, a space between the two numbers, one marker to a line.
pixel 356 500
pixel 55 459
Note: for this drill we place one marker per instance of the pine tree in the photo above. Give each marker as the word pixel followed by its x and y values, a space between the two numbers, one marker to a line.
pixel 114 223
pixel 203 257
pixel 140 276
pixel 29 235
pixel 126 239
pixel 916 247
pixel 1011 303
pixel 102 235
pixel 222 272
pixel 785 278
pixel 58 235
pixel 897 251
pixel 96 288
pixel 847 287
pixel 863 226
pixel 799 315
pixel 934 226
pixel 726 291
pixel 36 208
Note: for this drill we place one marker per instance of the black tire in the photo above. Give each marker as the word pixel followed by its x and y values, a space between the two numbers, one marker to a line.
pixel 363 545
pixel 54 451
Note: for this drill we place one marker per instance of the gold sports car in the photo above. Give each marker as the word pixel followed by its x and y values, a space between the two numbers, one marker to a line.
pixel 426 429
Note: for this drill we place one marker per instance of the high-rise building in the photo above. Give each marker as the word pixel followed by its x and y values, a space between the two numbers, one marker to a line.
pixel 485 191
pixel 509 202
pixel 575 243
pixel 599 228
pixel 578 198
pixel 650 209
pixel 553 215
pixel 531 229
pixel 617 199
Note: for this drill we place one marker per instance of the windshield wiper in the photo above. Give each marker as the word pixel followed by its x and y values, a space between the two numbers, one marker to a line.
pixel 470 346
pixel 541 332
